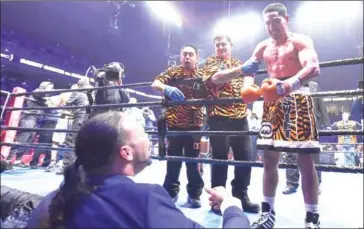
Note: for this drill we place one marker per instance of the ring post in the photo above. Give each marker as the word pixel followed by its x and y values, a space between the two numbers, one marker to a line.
pixel 11 119
pixel 162 128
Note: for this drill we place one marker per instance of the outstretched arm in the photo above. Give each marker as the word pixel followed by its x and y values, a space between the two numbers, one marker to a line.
pixel 257 56
pixel 226 75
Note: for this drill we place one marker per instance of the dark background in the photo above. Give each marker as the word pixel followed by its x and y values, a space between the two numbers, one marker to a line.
pixel 88 32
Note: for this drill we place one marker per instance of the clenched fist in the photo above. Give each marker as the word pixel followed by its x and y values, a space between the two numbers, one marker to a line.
pixel 250 93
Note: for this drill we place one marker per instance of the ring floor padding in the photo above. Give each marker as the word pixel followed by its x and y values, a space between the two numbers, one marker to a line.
pixel 341 199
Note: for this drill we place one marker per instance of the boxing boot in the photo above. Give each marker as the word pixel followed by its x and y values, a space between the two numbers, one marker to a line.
pixel 312 220
pixel 266 219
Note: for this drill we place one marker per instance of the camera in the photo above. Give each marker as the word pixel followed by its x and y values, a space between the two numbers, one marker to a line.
pixel 145 110
pixel 113 71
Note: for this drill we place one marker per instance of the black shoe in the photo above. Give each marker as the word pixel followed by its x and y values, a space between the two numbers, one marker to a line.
pixel 312 220
pixel 247 205
pixel 193 202
pixel 6 165
pixel 266 219
pixel 289 190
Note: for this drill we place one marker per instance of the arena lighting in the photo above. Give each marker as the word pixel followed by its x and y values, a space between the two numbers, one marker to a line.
pixel 53 69
pixel 239 27
pixel 165 11
pixel 9 57
pixel 30 63
pixel 321 14
pixel 50 68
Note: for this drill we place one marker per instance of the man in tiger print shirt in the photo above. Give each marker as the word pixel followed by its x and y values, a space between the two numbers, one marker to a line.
pixel 223 79
pixel 181 118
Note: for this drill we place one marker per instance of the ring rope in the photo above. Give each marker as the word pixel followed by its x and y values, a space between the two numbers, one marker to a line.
pixel 56 91
pixel 352 144
pixel 178 103
pixel 48 115
pixel 343 62
pixel 202 133
pixel 41 145
pixel 326 168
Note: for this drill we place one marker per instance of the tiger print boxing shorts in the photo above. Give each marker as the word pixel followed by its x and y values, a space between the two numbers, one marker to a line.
pixel 289 125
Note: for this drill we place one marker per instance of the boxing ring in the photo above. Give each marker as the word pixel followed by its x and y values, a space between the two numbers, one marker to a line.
pixel 341 201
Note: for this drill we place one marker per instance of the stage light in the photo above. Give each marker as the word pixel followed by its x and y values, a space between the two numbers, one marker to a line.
pixel 239 27
pixel 327 14
pixel 165 11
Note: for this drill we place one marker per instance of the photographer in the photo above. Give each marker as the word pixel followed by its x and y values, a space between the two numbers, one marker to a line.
pixel 110 75
pixel 149 118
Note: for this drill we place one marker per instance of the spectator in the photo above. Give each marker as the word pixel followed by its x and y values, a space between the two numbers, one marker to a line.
pixel 30 119
pixel 110 96
pixel 99 191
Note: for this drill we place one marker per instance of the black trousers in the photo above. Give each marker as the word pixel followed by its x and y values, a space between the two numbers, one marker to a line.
pixel 24 137
pixel 241 147
pixel 293 175
pixel 69 142
pixel 176 144
pixel 45 137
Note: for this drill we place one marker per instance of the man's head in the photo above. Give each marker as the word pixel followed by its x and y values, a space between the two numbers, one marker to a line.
pixel 276 20
pixel 345 116
pixel 223 46
pixel 84 82
pixel 113 143
pixel 189 57
pixel 46 85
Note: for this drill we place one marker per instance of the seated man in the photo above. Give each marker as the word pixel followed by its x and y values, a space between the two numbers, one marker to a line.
pixel 99 192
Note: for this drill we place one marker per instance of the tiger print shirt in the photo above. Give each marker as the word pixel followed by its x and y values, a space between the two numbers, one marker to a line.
pixel 229 89
pixel 186 116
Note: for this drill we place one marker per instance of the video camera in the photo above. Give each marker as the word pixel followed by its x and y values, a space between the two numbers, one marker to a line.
pixel 113 71
pixel 145 110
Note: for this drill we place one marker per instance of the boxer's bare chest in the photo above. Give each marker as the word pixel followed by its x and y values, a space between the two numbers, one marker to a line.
pixel 281 60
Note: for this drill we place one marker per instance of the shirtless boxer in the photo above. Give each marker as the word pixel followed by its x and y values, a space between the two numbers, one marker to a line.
pixel 288 122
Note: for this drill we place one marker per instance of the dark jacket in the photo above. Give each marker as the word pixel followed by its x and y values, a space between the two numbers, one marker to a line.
pixel 110 96
pixel 119 202
pixel 320 109
pixel 34 101
pixel 78 99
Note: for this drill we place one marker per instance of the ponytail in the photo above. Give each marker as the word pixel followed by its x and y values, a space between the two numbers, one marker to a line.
pixel 69 193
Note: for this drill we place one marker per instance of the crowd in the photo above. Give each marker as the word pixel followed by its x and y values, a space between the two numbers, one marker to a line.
pixel 44 52
pixel 111 146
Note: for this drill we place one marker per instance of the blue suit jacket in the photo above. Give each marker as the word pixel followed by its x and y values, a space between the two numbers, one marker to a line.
pixel 119 202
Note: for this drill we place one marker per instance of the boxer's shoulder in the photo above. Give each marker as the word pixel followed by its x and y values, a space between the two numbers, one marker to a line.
pixel 300 39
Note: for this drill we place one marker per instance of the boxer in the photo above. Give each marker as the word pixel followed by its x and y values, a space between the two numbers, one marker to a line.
pixel 288 123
